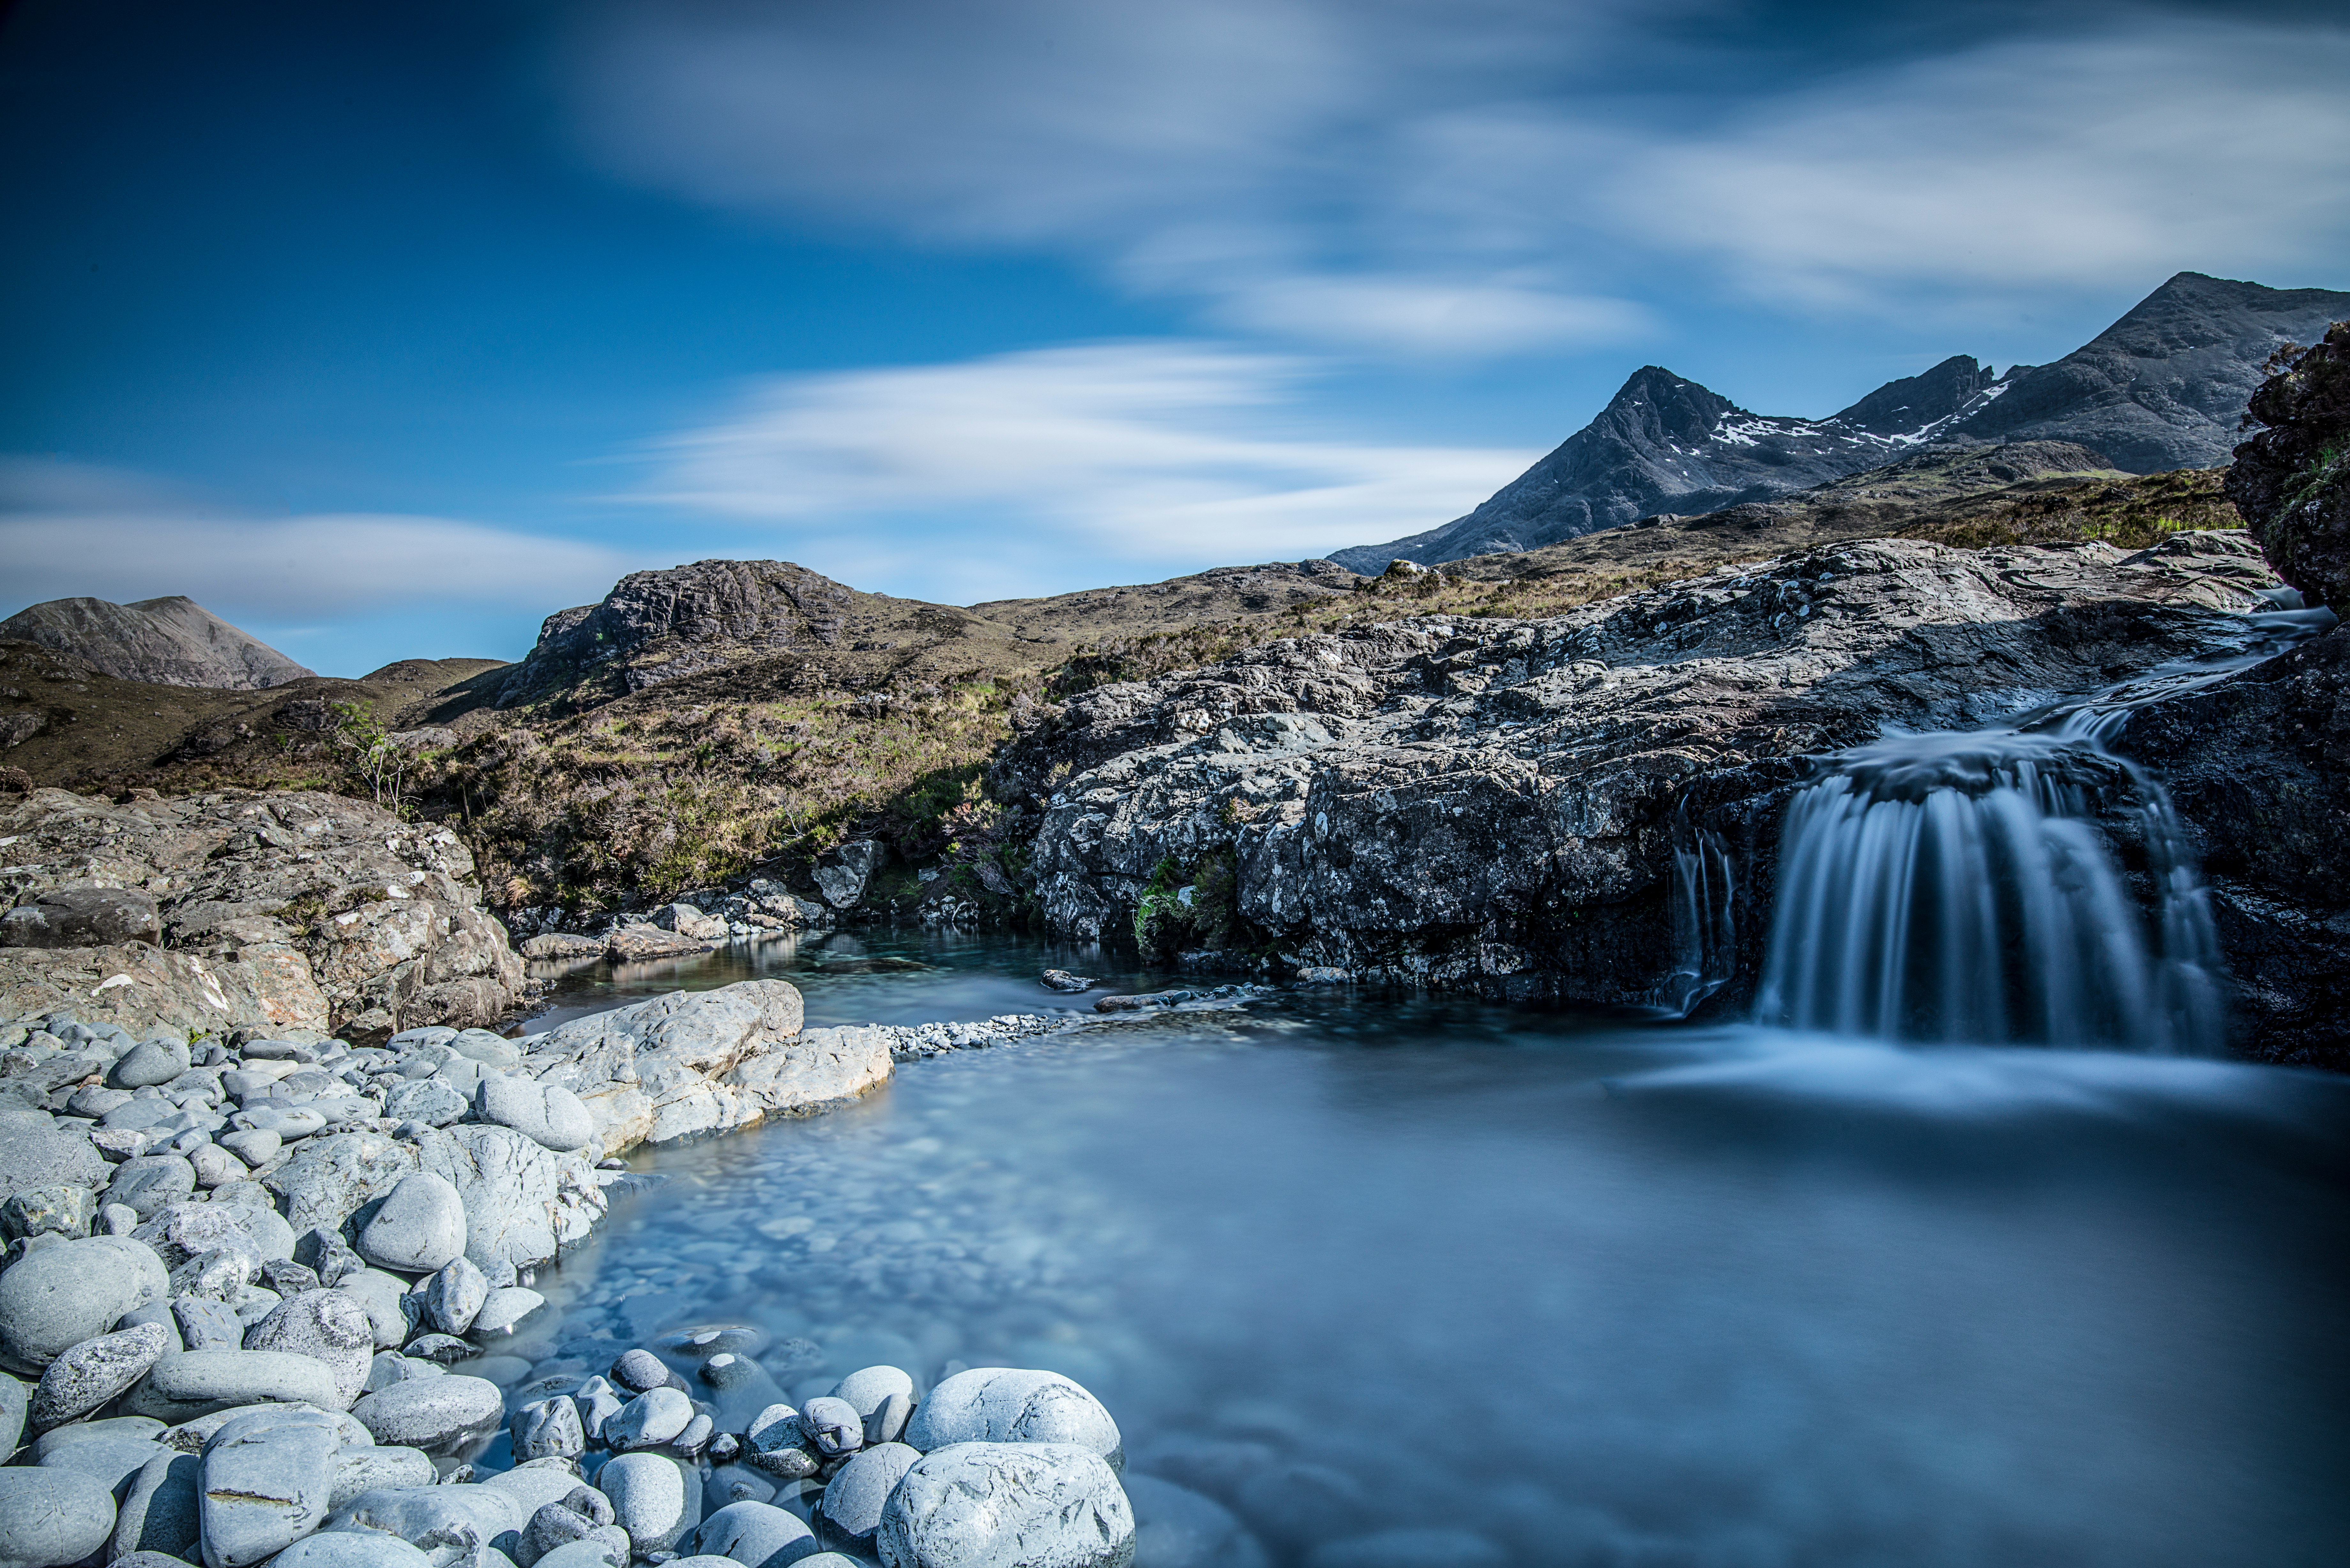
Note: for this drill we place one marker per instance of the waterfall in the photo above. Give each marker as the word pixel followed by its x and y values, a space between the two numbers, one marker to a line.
pixel 1954 888
pixel 1704 900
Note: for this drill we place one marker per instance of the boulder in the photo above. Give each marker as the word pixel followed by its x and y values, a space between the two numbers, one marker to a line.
pixel 503 1309
pixel 523 1203
pixel 67 1211
pixel 419 1228
pixel 434 1414
pixel 688 921
pixel 435 1102
pixel 150 1063
pixel 268 1477
pixel 653 1498
pixel 16 1411
pixel 36 1154
pixel 548 1428
pixel 2291 480
pixel 49 1519
pixel 71 1291
pixel 756 1535
pixel 1009 1405
pixel 188 1384
pixel 81 918
pixel 104 1451
pixel 330 1326
pixel 1043 1505
pixel 453 1297
pixel 93 1372
pixel 854 1498
pixel 640 943
pixel 162 1510
pixel 252 1231
pixel 547 1114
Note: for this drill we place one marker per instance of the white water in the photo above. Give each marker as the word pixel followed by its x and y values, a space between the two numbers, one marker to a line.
pixel 1959 888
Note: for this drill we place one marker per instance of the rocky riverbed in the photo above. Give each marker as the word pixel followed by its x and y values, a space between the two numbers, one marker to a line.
pixel 258 1286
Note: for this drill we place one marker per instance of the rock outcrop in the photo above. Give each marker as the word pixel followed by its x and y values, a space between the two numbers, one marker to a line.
pixel 2160 389
pixel 1500 804
pixel 2291 481
pixel 172 642
pixel 280 909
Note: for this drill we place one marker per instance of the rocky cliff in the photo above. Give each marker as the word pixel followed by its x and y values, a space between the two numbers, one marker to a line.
pixel 172 642
pixel 1499 804
pixel 2160 389
pixel 244 909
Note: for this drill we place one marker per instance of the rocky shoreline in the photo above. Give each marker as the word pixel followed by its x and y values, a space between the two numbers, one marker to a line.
pixel 250 1278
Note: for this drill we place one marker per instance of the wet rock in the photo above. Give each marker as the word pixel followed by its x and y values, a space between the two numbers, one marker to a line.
pixel 756 1535
pixel 72 1291
pixel 446 1349
pixel 534 1484
pixel 581 1514
pixel 653 1498
pixel 268 1480
pixel 853 1499
pixel 453 1297
pixel 652 1419
pixel 968 1504
pixel 1009 1404
pixel 451 1512
pixel 49 1519
pixel 1062 980
pixel 503 1309
pixel 330 1326
pixel 390 1368
pixel 833 1426
pixel 93 1372
pixel 188 1384
pixel 433 1414
pixel 777 1444
pixel 639 1371
pixel 420 1229
pixel 161 1513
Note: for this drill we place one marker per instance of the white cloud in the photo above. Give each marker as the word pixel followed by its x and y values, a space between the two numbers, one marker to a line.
pixel 1151 453
pixel 1485 177
pixel 72 530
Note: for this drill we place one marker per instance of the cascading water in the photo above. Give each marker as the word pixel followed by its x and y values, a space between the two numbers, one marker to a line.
pixel 1704 905
pixel 1956 888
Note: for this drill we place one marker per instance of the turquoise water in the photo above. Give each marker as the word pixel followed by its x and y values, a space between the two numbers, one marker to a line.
pixel 1560 1288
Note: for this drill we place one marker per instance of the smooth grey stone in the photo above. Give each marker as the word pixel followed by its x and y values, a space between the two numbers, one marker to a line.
pixel 288 1278
pixel 231 1221
pixel 354 1549
pixel 414 1513
pixel 161 1513
pixel 428 1100
pixel 853 1498
pixel 49 1517
pixel 381 1294
pixel 639 1370
pixel 117 1219
pixel 185 1385
pixel 968 1504
pixel 454 1296
pixel 833 1426
pixel 372 1467
pixel 72 1291
pixel 505 1306
pixel 556 1525
pixel 190 1437
pixel 1012 1405
pixel 777 1445
pixel 151 1560
pixel 207 1324
pixel 887 1424
pixel 597 1406
pixel 67 1211
pixel 86 1431
pixel 215 1166
pixel 444 1348
pixel 1175 1527
pixel 653 1498
pixel 91 1100
pixel 330 1326
pixel 596 1551
pixel 152 1182
pixel 254 1145
pixel 390 1368
pixel 821 1560
pixel 160 1315
pixel 549 1429
pixel 696 1436
pixel 1408 1548
pixel 323 1253
pixel 268 1477
pixel 547 1113
pixel 432 1413
pixel 865 1390
pixel 113 1458
pixel 44 1153
pixel 652 1420
pixel 95 1371
pixel 150 1063
pixel 15 1408
pixel 419 1228
pixel 535 1484
pixel 291 1123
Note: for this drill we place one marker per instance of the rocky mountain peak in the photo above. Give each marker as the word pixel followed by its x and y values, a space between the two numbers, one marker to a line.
pixel 170 641
pixel 1913 406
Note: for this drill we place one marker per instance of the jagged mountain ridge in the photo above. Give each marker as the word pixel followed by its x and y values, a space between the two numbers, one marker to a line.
pixel 2160 389
pixel 170 641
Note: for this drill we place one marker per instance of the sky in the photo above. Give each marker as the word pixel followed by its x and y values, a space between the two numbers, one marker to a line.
pixel 386 331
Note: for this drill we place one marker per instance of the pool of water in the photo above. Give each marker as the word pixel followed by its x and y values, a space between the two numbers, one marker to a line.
pixel 1580 1291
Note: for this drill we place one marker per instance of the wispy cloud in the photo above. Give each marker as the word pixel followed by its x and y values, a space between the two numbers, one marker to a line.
pixel 1485 177
pixel 1149 454
pixel 71 530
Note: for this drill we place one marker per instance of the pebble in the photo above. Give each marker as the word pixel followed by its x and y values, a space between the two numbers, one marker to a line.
pixel 639 1370
pixel 148 1064
pixel 504 1308
pixel 161 1513
pixel 652 1420
pixel 548 1428
pixel 432 1413
pixel 1011 1405
pixel 755 1535
pixel 254 1145
pixel 95 1371
pixel 380 1294
pixel 653 1499
pixel 215 1166
pixel 854 1497
pixel 187 1384
pixel 72 1291
pixel 454 1296
pixel 48 1518
pixel 419 1228
pixel 969 1505
pixel 268 1478
pixel 834 1426
pixel 207 1324
pixel 330 1327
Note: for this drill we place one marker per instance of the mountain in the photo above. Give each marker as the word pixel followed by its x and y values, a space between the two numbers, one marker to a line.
pixel 172 642
pixel 2160 389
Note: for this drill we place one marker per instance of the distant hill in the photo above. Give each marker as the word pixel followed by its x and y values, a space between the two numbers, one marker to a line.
pixel 2160 389
pixel 172 642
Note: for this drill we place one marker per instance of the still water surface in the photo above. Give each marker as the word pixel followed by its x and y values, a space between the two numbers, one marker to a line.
pixel 1591 1292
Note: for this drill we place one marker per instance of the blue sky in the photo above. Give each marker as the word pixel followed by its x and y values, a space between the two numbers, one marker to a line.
pixel 386 331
